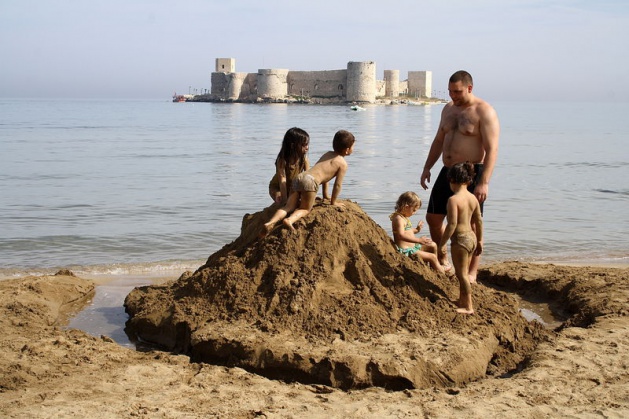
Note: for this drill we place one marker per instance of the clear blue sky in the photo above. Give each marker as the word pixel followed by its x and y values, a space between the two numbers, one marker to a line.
pixel 515 49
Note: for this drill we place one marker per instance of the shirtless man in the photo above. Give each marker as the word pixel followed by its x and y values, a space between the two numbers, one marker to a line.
pixel 306 185
pixel 468 131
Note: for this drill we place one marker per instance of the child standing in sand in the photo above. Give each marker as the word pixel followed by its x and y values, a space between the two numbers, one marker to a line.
pixel 464 218
pixel 306 185
pixel 404 234
pixel 291 160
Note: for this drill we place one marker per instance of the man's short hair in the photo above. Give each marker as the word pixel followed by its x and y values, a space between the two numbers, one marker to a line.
pixel 462 76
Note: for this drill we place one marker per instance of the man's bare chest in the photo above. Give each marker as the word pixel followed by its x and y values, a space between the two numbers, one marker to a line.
pixel 464 122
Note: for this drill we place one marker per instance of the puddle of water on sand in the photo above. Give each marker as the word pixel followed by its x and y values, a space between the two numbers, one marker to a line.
pixel 540 312
pixel 105 315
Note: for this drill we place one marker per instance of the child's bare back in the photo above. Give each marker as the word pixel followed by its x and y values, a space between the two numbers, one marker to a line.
pixel 465 228
pixel 329 166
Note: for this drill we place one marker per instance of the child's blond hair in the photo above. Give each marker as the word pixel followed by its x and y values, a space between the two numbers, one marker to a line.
pixel 410 199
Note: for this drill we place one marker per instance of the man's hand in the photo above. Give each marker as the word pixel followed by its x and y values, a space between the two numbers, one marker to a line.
pixel 425 178
pixel 480 192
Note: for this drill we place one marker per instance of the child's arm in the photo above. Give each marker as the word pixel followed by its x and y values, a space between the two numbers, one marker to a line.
pixel 324 190
pixel 338 184
pixel 280 169
pixel 420 224
pixel 401 235
pixel 452 218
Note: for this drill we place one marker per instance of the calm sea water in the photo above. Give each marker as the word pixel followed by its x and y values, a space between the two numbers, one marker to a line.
pixel 139 187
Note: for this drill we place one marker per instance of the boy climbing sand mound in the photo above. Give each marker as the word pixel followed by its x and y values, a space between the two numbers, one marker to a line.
pixel 306 185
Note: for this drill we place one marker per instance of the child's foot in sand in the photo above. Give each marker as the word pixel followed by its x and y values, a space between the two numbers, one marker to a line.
pixel 265 230
pixel 472 279
pixel 463 310
pixel 288 224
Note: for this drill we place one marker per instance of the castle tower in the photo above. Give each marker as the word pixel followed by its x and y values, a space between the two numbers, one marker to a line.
pixel 361 82
pixel 272 83
pixel 420 84
pixel 225 65
pixel 234 87
pixel 392 83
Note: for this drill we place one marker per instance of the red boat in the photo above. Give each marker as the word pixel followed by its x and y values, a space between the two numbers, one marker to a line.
pixel 178 98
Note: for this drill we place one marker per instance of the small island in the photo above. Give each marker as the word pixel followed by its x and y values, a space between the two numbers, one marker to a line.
pixel 357 84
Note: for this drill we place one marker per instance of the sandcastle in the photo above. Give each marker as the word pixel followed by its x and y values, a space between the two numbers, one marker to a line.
pixel 334 304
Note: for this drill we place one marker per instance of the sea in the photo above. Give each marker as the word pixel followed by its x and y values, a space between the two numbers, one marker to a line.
pixel 148 187
pixel 134 192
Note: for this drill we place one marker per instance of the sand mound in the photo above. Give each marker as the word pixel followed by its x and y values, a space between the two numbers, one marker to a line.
pixel 332 303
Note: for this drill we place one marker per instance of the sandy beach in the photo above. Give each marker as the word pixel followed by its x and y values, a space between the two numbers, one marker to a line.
pixel 577 370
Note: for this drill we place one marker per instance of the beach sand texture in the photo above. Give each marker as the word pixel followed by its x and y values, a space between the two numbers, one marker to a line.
pixel 328 321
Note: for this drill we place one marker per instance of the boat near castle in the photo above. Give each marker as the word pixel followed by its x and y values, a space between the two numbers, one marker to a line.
pixel 182 98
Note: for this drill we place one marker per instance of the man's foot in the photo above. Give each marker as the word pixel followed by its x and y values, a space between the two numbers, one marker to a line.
pixel 472 279
pixel 288 224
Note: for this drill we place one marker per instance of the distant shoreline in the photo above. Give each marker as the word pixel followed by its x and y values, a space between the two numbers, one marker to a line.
pixel 206 98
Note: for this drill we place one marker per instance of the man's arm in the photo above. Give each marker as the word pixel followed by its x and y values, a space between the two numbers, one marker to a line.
pixel 490 133
pixel 477 224
pixel 435 151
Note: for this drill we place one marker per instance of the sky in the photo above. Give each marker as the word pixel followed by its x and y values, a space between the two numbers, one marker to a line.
pixel 516 50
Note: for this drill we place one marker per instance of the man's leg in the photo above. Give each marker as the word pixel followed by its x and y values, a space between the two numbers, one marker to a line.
pixel 435 224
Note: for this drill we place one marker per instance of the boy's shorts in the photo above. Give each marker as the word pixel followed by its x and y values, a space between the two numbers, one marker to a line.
pixel 305 183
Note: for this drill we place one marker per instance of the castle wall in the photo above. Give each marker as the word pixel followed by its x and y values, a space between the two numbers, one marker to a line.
pixel 318 84
pixel 404 87
pixel 381 89
pixel 220 85
pixel 234 86
pixel 361 81
pixel 249 91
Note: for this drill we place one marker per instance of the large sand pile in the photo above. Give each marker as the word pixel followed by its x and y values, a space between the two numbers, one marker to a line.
pixel 581 370
pixel 332 303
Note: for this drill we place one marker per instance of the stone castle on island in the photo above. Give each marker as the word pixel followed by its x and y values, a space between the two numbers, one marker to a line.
pixel 355 84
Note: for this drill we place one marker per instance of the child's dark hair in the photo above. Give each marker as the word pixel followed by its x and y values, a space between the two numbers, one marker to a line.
pixel 294 139
pixel 342 140
pixel 461 173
